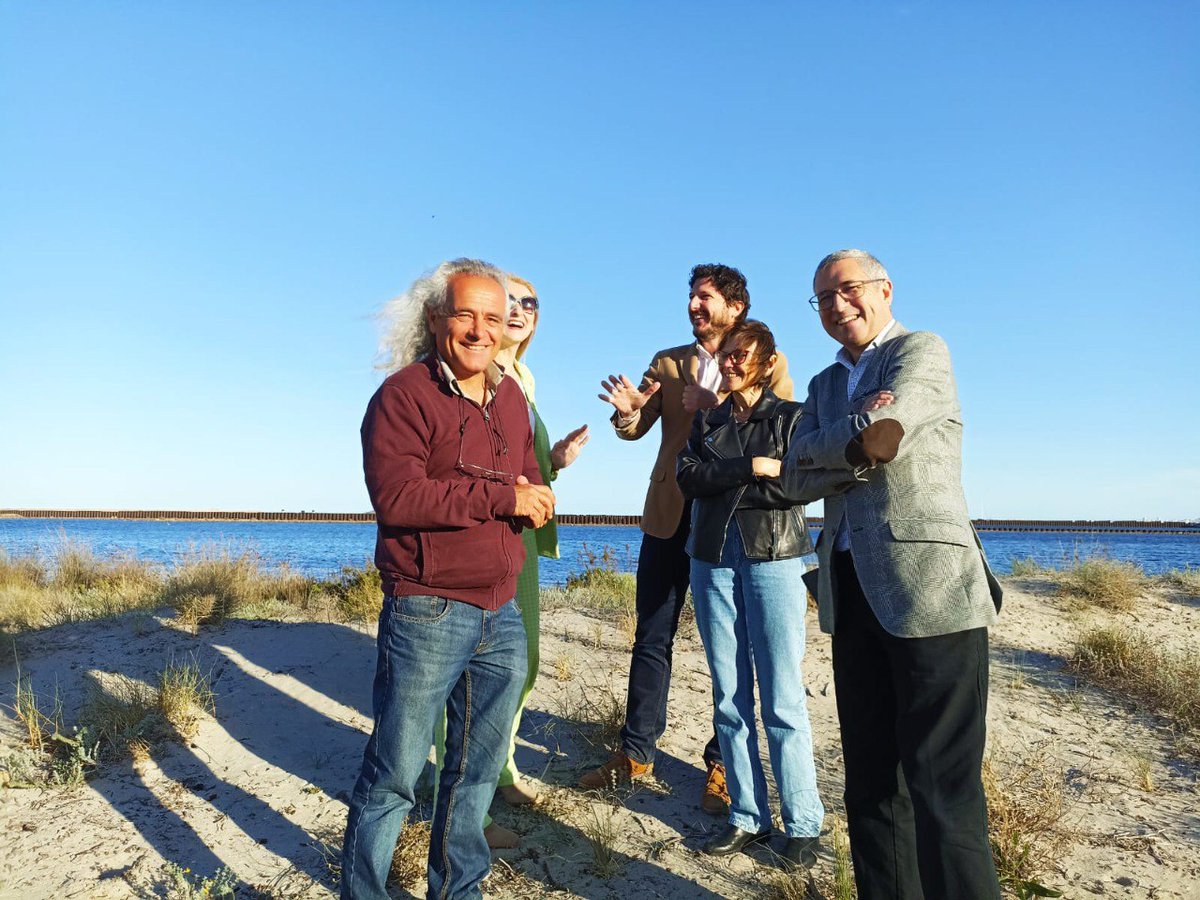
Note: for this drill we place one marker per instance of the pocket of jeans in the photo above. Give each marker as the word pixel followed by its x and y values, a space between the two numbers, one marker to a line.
pixel 421 608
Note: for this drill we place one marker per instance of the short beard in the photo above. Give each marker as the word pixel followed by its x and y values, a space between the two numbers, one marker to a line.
pixel 711 330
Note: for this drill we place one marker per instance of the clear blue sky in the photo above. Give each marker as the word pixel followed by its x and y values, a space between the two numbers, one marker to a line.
pixel 203 204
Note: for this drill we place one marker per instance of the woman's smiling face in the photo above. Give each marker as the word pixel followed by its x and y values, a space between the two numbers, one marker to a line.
pixel 739 366
pixel 521 322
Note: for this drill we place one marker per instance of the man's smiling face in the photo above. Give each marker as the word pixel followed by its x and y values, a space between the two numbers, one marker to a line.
pixel 854 323
pixel 468 336
pixel 711 315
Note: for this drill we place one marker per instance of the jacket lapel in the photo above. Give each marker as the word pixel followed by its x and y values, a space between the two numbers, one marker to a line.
pixel 691 365
pixel 720 432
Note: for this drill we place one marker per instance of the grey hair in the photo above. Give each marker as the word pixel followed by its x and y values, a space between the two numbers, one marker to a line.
pixel 871 267
pixel 406 335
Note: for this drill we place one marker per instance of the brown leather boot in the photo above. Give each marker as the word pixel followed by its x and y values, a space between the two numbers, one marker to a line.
pixel 618 770
pixel 715 801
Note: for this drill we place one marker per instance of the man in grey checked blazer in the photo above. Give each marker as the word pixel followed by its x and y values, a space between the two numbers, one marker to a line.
pixel 904 589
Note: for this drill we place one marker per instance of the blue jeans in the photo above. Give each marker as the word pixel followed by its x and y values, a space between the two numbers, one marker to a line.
pixel 435 654
pixel 750 614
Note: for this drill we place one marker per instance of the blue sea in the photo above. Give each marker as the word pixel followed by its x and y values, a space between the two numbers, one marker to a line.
pixel 320 549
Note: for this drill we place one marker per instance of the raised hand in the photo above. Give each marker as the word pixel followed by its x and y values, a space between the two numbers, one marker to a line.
pixel 696 397
pixel 624 395
pixel 535 502
pixel 563 453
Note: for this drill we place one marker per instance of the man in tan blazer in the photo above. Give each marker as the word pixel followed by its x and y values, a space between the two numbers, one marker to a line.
pixel 678 382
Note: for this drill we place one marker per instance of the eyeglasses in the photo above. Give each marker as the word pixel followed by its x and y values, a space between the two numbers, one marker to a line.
pixel 474 471
pixel 736 357
pixel 850 291
pixel 529 304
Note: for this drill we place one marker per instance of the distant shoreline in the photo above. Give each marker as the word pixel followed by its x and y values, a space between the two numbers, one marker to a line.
pixel 1099 526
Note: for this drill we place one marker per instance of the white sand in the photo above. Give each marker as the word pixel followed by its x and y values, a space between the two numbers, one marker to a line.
pixel 267 777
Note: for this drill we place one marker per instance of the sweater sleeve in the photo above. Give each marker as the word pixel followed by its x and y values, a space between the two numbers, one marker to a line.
pixel 395 440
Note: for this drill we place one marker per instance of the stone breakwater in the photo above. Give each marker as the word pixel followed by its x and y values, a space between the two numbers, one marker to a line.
pixel 1094 526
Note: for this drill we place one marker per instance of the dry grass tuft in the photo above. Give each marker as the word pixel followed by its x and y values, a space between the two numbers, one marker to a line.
pixel 1104 582
pixel 1132 665
pixel 1028 567
pixel 627 621
pixel 564 666
pixel 596 711
pixel 357 593
pixel 1185 580
pixel 602 832
pixel 1026 804
pixel 75 586
pixel 130 717
pixel 411 855
pixel 212 584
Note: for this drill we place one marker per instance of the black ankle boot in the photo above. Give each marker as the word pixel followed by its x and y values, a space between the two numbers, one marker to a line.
pixel 733 839
pixel 801 852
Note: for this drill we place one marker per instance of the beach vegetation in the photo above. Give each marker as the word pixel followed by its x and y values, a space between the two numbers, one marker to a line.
pixel 121 717
pixel 564 666
pixel 1134 666
pixel 1027 801
pixel 1185 580
pixel 129 717
pixel 1028 567
pixel 598 587
pixel 212 584
pixel 178 883
pixel 72 584
pixel 602 832
pixel 357 593
pixel 1099 581
pixel 411 855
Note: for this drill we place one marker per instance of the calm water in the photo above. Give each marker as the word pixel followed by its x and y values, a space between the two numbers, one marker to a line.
pixel 319 549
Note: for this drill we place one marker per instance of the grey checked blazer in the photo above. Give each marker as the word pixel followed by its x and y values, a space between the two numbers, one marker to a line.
pixel 918 558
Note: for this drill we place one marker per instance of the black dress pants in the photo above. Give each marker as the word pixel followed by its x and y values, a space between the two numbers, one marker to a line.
pixel 913 720
pixel 663 574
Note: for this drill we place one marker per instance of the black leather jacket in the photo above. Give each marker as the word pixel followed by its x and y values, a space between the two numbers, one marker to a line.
pixel 714 469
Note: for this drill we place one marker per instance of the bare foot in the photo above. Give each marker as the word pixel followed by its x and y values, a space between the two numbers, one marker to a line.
pixel 519 794
pixel 500 838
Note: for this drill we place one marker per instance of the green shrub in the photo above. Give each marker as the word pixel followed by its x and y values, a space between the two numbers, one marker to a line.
pixel 357 593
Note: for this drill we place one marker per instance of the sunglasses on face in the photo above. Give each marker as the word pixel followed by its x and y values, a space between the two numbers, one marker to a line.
pixel 529 304
pixel 737 357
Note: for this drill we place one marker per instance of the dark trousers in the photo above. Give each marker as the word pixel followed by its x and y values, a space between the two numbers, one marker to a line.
pixel 913 716
pixel 662 582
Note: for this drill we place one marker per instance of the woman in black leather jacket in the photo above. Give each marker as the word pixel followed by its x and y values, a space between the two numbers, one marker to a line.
pixel 746 544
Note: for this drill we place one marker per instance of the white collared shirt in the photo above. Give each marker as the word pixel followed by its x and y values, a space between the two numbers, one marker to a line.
pixel 708 373
pixel 841 539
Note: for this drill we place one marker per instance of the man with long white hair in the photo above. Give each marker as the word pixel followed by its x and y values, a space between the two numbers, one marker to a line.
pixel 450 468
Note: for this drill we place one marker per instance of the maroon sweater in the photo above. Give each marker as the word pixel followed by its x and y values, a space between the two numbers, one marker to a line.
pixel 442 532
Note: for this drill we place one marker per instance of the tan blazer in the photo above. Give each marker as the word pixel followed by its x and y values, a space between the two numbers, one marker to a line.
pixel 673 369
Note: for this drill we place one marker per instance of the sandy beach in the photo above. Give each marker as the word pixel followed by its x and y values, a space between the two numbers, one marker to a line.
pixel 261 787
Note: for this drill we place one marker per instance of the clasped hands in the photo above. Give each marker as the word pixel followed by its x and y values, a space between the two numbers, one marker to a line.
pixel 535 503
pixel 766 467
